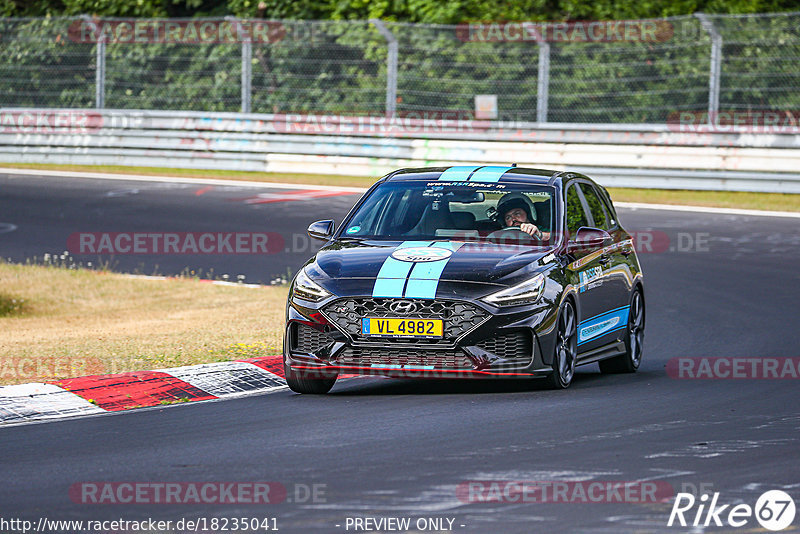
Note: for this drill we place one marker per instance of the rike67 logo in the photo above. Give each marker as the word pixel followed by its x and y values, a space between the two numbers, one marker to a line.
pixel 774 510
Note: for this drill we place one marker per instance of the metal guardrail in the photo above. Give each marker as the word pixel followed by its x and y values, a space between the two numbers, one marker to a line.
pixel 653 156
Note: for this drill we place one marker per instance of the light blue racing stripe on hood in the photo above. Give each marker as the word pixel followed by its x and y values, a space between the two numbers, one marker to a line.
pixel 393 274
pixel 424 279
pixel 489 174
pixel 459 173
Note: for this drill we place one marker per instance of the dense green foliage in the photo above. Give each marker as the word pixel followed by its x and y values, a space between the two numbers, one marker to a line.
pixel 425 11
pixel 339 66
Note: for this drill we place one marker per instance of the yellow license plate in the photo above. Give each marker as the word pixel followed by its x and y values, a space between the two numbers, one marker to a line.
pixel 392 327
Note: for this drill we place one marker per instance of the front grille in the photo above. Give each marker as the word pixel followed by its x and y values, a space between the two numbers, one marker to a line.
pixel 513 345
pixel 440 359
pixel 307 339
pixel 459 317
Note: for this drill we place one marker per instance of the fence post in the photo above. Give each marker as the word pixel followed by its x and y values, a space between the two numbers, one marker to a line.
pixel 247 75
pixel 715 67
pixel 543 81
pixel 391 66
pixel 100 75
pixel 247 64
pixel 99 65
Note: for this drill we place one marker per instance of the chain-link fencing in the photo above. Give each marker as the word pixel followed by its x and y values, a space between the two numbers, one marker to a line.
pixel 589 72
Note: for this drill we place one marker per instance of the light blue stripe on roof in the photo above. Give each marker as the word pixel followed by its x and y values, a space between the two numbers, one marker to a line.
pixel 459 173
pixel 392 277
pixel 489 174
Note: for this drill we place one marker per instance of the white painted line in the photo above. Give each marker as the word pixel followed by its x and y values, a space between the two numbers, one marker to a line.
pixel 26 402
pixel 227 379
pixel 707 209
pixel 176 180
pixel 7 227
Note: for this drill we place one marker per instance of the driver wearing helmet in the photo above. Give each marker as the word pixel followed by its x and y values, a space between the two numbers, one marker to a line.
pixel 516 210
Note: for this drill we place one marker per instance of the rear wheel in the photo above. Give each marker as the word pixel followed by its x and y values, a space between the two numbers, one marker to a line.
pixel 566 348
pixel 634 338
pixel 304 383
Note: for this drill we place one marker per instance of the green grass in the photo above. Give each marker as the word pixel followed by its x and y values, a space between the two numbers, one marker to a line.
pixel 717 199
pixel 720 199
pixel 76 322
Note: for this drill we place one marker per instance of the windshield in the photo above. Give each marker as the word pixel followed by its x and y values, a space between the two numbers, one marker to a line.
pixel 456 210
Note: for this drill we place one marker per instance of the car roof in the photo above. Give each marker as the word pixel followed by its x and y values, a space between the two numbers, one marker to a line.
pixel 478 173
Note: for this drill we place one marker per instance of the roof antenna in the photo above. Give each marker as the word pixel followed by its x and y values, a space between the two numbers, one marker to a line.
pixel 513 164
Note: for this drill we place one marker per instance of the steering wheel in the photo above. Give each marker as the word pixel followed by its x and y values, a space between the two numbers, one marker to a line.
pixel 499 233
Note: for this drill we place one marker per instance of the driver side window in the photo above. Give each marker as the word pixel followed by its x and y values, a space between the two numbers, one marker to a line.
pixel 576 217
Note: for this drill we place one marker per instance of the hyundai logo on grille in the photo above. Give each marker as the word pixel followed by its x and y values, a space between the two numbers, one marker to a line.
pixel 403 307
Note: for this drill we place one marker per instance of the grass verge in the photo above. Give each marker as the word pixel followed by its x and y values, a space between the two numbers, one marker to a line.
pixel 74 322
pixel 719 199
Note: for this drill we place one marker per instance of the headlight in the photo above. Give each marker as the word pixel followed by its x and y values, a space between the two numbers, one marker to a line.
pixel 307 289
pixel 527 292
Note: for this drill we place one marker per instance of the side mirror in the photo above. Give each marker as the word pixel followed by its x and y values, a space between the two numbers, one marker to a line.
pixel 321 230
pixel 587 239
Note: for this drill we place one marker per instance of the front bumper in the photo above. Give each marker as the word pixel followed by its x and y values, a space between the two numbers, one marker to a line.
pixel 479 341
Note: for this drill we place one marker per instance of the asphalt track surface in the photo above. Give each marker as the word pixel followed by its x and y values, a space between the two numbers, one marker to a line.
pixel 400 448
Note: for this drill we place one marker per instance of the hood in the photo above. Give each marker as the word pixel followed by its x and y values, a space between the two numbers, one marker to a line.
pixel 468 262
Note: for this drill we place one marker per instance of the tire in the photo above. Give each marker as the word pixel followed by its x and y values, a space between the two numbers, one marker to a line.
pixel 634 338
pixel 302 383
pixel 566 350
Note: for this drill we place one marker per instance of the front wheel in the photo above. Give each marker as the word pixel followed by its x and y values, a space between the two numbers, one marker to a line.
pixel 634 338
pixel 566 348
pixel 304 383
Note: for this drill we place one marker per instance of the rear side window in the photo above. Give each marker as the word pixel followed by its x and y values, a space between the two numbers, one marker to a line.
pixel 601 220
pixel 576 217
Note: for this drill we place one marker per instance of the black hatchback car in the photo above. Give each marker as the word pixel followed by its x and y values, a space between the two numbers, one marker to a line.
pixel 468 271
